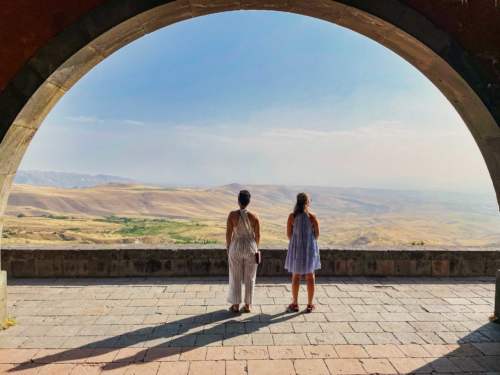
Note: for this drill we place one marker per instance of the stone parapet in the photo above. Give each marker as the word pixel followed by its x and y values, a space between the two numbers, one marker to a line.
pixel 126 262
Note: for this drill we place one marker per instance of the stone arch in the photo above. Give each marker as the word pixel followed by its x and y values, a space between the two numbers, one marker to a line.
pixel 55 67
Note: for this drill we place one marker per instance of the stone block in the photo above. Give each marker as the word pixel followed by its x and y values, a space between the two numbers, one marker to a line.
pixel 22 268
pixel 39 105
pixel 75 267
pixel 340 267
pixel 202 7
pixel 165 15
pixel 327 10
pixel 384 267
pixel 440 268
pixel 75 67
pixel 100 267
pixel 473 263
pixel 12 148
pixel 455 264
pixel 116 38
pixel 420 267
pixel 282 5
pixel 492 266
pixel 354 266
pixel 401 267
pixel 5 185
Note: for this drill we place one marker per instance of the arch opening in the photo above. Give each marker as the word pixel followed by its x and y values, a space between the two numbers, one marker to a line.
pixel 380 139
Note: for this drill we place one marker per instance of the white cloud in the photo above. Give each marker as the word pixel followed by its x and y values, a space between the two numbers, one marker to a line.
pixel 81 119
pixel 134 122
pixel 84 119
pixel 420 144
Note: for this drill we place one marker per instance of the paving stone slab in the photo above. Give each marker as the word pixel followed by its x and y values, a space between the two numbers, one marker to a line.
pixel 172 326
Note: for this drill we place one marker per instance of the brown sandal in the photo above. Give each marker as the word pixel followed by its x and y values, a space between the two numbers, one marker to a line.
pixel 234 309
pixel 310 308
pixel 293 307
pixel 245 309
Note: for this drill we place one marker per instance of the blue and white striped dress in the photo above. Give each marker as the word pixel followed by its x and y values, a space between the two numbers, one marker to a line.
pixel 303 251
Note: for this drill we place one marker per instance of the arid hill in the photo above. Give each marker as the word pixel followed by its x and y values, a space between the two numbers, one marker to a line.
pixel 120 213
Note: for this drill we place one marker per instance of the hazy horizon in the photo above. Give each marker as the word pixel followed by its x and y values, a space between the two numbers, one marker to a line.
pixel 260 98
pixel 239 183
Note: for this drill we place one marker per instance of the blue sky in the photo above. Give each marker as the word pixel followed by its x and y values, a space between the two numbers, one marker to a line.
pixel 260 97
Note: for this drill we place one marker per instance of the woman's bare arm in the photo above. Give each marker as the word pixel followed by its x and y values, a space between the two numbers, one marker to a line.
pixel 289 226
pixel 229 230
pixel 315 223
pixel 256 229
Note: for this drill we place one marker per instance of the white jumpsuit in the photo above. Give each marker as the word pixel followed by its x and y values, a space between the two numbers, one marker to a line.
pixel 242 265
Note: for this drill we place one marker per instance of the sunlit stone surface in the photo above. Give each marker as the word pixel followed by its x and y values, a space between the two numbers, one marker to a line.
pixel 361 325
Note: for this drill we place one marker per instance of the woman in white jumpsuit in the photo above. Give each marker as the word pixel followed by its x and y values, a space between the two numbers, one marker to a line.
pixel 242 241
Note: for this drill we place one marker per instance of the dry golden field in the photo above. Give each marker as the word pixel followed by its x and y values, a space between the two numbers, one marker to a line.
pixel 135 214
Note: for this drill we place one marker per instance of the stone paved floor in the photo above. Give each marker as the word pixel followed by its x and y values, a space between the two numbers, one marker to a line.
pixel 181 326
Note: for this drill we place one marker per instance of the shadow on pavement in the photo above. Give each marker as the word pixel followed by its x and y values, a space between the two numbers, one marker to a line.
pixel 176 336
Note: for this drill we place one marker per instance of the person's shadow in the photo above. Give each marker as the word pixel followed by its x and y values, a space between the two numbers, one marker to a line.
pixel 172 334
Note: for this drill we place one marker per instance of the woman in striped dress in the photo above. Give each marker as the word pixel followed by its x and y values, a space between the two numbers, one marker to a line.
pixel 242 241
pixel 302 257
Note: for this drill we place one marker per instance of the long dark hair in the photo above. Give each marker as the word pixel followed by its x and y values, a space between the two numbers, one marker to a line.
pixel 301 205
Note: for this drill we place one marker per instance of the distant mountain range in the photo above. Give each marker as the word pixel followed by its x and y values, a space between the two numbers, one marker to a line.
pixel 67 180
pixel 350 217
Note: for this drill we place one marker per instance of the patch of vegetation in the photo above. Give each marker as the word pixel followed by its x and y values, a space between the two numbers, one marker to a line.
pixel 184 240
pixel 6 233
pixel 417 243
pixel 56 217
pixel 180 232
pixel 21 215
pixel 76 229
pixel 115 219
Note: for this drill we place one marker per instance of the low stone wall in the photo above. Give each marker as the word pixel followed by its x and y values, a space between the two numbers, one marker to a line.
pixel 213 262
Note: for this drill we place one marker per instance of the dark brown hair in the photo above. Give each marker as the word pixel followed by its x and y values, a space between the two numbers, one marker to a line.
pixel 301 205
pixel 244 198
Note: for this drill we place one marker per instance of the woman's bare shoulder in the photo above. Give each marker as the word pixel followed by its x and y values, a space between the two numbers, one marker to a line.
pixel 253 216
pixel 313 216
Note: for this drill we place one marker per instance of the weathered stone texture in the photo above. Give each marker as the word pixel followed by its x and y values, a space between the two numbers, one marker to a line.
pixel 213 262
pixel 182 327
